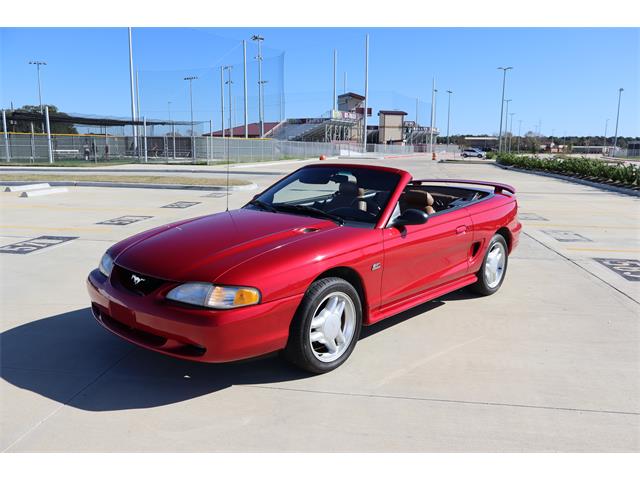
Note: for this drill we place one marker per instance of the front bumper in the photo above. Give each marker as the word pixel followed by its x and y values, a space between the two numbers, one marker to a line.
pixel 192 333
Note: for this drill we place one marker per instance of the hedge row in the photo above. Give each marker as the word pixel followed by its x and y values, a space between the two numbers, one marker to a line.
pixel 587 168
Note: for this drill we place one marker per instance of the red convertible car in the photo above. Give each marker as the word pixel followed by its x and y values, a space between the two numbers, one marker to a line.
pixel 305 264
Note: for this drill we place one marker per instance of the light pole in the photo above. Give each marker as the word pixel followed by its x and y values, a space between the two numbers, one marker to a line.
pixel 259 39
pixel 448 115
pixel 229 82
pixel 510 129
pixel 366 90
pixel 506 117
pixel 604 149
pixel 133 97
pixel 519 130
pixel 504 80
pixel 335 73
pixel 169 110
pixel 193 145
pixel 615 138
pixel 433 101
pixel 38 63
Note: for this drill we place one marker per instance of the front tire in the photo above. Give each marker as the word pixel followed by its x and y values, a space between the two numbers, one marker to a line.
pixel 494 267
pixel 326 326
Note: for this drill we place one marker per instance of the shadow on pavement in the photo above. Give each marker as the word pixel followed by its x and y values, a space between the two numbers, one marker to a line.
pixel 69 358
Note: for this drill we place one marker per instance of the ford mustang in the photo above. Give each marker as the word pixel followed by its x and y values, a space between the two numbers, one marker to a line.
pixel 305 264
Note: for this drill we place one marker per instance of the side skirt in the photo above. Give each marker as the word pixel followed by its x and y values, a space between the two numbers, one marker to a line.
pixel 407 303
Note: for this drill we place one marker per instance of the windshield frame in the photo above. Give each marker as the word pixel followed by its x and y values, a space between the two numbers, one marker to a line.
pixel 381 218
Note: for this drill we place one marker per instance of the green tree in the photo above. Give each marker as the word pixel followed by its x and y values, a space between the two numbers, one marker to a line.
pixel 56 127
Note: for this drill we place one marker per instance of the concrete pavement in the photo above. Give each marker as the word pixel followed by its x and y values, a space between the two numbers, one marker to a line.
pixel 550 363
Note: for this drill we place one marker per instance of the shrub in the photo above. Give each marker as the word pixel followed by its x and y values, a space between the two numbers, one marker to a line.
pixel 582 167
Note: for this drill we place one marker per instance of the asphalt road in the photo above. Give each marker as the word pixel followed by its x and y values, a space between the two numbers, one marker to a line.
pixel 550 363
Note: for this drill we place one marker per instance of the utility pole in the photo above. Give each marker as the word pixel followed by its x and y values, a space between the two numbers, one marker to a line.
pixel 193 139
pixel 133 97
pixel 38 63
pixel 259 39
pixel 246 108
pixel 366 89
pixel 504 80
pixel 615 138
pixel 448 114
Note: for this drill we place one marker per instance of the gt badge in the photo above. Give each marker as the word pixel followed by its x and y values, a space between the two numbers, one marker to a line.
pixel 375 266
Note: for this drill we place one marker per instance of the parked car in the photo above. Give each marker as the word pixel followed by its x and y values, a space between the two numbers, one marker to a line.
pixel 473 152
pixel 305 265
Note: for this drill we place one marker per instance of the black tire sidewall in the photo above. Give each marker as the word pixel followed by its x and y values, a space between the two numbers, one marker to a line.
pixel 481 285
pixel 299 349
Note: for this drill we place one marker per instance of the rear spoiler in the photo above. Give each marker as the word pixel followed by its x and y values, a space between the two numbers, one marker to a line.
pixel 498 187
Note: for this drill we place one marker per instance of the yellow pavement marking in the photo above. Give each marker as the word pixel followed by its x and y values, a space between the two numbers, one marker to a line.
pixel 44 227
pixel 621 250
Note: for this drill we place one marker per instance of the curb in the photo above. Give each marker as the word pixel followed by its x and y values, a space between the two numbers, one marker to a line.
pixel 159 186
pixel 588 183
pixel 90 170
pixel 471 162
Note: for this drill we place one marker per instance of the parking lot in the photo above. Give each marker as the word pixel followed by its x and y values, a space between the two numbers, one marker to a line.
pixel 550 363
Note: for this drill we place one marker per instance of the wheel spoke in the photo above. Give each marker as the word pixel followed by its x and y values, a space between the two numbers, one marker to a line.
pixel 337 311
pixel 340 339
pixel 316 336
pixel 318 320
pixel 330 343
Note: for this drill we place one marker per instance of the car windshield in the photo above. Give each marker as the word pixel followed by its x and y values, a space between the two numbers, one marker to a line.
pixel 347 195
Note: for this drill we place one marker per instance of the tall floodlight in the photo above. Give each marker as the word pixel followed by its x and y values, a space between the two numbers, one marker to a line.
pixel 433 114
pixel 510 129
pixel 229 82
pixel 335 73
pixel 193 139
pixel 615 138
pixel 246 107
pixel 504 80
pixel 604 144
pixel 366 90
pixel 38 63
pixel 259 39
pixel 506 119
pixel 448 114
pixel 133 96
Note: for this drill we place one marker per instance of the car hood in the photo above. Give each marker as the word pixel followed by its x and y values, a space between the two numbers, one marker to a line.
pixel 204 248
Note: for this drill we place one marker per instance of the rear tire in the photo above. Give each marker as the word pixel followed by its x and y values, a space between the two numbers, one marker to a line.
pixel 494 267
pixel 326 326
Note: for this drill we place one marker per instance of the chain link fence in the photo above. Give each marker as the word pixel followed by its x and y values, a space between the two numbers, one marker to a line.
pixel 34 148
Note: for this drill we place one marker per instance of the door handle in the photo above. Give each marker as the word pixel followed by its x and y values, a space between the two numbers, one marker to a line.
pixel 461 229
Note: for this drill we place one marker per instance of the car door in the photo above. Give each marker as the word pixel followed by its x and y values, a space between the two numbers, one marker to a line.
pixel 421 257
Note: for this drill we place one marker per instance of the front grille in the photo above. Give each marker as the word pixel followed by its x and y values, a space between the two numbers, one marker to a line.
pixel 135 282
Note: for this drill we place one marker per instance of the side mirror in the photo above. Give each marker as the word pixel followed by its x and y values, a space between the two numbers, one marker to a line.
pixel 411 216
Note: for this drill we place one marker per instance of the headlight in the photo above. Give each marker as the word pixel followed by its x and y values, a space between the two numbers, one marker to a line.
pixel 214 296
pixel 106 264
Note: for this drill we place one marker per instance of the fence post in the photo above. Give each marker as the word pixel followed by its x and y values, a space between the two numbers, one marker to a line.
pixel 6 136
pixel 33 143
pixel 46 113
pixel 144 121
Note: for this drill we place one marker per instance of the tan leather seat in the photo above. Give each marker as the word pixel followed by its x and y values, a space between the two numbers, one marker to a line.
pixel 420 200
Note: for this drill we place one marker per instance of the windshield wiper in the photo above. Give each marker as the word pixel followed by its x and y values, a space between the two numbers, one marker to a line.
pixel 311 210
pixel 263 205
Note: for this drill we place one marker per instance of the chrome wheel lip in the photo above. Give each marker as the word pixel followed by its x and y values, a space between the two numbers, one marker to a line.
pixel 332 327
pixel 494 265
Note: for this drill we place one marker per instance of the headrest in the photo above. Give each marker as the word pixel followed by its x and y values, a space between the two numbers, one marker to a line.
pixel 418 198
pixel 348 188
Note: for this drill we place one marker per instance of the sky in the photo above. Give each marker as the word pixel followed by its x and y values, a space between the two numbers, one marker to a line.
pixel 564 79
